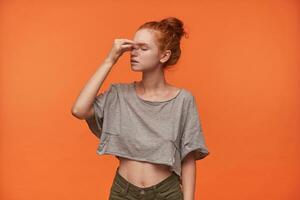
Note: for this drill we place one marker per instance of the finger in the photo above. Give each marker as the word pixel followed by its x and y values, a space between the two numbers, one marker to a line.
pixel 126 41
pixel 127 46
pixel 131 46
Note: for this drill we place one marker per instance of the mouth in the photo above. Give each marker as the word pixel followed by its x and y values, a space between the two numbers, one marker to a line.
pixel 134 61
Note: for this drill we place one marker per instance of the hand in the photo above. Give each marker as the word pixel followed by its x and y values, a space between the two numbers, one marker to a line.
pixel 119 47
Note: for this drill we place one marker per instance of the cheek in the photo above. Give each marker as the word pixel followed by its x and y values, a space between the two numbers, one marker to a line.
pixel 150 56
pixel 150 60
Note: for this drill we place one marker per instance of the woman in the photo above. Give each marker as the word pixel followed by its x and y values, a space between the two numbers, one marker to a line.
pixel 151 126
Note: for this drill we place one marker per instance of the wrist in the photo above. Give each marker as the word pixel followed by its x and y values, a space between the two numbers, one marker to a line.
pixel 110 59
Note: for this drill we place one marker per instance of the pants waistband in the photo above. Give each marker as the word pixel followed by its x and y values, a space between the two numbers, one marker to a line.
pixel 128 185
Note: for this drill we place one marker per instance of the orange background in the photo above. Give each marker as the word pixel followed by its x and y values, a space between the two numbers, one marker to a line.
pixel 241 61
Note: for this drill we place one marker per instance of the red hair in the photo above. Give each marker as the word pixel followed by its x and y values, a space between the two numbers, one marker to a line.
pixel 168 33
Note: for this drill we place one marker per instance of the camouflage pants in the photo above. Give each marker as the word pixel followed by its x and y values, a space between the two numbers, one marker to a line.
pixel 167 189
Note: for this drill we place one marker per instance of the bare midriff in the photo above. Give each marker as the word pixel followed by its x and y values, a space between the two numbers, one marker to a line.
pixel 143 174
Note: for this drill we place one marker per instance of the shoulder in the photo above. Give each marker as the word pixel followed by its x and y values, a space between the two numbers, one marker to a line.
pixel 120 85
pixel 187 95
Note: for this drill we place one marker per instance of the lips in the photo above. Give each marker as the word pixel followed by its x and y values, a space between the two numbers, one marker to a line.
pixel 134 61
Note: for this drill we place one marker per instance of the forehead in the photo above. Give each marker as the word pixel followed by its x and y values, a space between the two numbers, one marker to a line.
pixel 144 37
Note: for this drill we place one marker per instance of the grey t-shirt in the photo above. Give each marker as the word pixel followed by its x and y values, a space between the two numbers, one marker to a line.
pixel 161 132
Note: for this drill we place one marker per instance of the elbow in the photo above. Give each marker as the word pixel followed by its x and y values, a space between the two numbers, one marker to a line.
pixel 76 113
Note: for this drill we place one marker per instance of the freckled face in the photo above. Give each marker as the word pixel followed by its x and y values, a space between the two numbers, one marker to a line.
pixel 146 51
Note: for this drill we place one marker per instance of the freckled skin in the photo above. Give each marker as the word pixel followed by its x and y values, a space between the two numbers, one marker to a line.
pixel 146 52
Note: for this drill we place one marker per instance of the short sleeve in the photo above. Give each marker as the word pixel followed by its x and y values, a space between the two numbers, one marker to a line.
pixel 95 122
pixel 192 139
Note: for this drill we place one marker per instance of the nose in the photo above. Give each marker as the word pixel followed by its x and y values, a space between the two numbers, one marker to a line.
pixel 133 52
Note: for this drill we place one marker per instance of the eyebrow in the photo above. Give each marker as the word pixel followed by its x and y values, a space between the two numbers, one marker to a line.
pixel 142 43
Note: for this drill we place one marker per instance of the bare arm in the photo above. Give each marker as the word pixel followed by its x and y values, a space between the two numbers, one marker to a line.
pixel 188 177
pixel 82 107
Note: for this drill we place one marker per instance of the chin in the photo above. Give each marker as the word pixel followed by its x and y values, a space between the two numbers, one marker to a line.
pixel 136 68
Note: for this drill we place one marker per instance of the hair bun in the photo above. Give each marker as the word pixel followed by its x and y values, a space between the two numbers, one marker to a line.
pixel 176 24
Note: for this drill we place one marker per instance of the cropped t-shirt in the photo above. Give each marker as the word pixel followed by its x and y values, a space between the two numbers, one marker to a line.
pixel 161 132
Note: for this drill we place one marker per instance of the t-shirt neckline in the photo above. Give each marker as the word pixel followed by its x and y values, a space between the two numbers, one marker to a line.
pixel 148 101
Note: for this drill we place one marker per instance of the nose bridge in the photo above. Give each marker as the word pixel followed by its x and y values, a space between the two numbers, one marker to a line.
pixel 136 47
pixel 134 52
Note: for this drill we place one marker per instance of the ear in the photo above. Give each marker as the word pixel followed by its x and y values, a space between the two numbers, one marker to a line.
pixel 165 56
